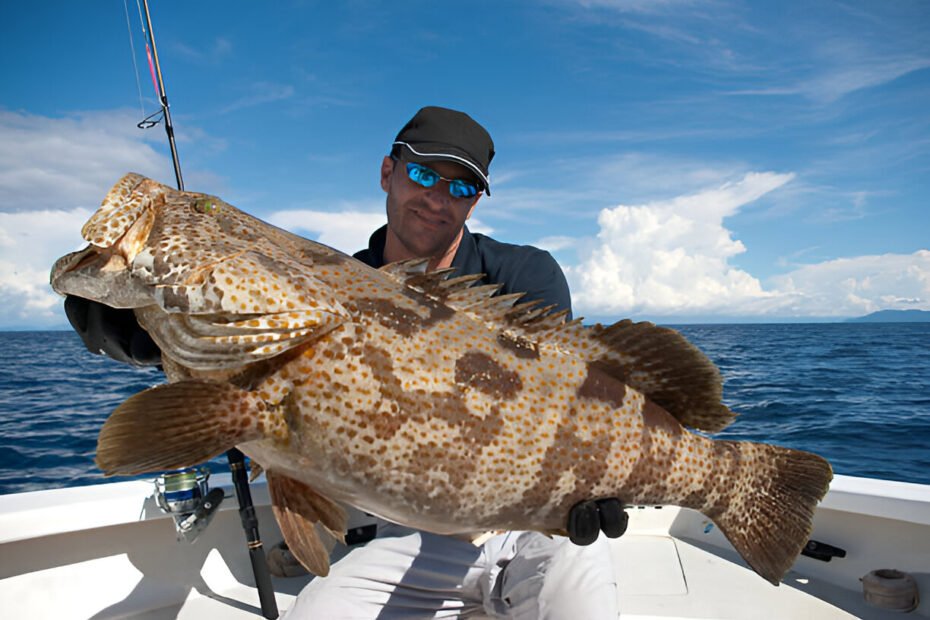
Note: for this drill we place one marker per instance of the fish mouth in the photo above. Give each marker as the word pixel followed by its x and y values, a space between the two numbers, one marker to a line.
pixel 71 262
pixel 100 274
pixel 90 258
pixel 111 259
pixel 117 233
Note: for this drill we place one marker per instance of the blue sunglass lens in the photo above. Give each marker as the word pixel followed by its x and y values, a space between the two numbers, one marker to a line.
pixel 421 175
pixel 462 189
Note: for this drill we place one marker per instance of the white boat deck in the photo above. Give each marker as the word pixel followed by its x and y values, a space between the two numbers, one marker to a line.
pixel 108 552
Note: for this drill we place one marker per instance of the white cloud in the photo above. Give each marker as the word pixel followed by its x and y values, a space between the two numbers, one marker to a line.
pixel 53 174
pixel 205 52
pixel 631 176
pixel 30 242
pixel 61 163
pixel 347 231
pixel 849 62
pixel 648 7
pixel 858 285
pixel 832 83
pixel 556 243
pixel 476 225
pixel 671 258
pixel 260 93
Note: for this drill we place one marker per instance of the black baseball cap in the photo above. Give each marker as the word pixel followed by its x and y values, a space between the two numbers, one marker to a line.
pixel 441 134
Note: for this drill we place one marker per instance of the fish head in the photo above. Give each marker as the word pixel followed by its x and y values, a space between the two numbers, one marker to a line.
pixel 151 245
pixel 147 236
pixel 116 234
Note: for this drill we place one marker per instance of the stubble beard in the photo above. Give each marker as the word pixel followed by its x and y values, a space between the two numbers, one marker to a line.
pixel 415 237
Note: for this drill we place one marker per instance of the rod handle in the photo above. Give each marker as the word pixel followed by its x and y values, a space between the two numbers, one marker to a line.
pixel 263 581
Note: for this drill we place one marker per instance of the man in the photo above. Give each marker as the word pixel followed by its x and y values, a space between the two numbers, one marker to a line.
pixel 439 152
pixel 434 177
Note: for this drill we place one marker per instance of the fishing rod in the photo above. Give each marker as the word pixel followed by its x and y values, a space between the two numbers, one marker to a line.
pixel 163 97
pixel 234 456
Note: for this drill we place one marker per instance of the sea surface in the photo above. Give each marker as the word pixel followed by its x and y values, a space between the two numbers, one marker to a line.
pixel 856 393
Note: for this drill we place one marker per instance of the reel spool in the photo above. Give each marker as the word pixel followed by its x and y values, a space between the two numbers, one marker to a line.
pixel 187 497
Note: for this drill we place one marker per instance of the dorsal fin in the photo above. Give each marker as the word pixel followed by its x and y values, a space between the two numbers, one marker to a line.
pixel 462 282
pixel 657 361
pixel 430 282
pixel 669 370
pixel 458 292
pixel 472 295
pixel 403 269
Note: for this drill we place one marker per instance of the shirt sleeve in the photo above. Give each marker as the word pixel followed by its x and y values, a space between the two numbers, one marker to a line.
pixel 537 274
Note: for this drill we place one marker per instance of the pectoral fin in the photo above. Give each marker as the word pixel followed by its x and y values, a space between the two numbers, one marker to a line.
pixel 298 509
pixel 178 425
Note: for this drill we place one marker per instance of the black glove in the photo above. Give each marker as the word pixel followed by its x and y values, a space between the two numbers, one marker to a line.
pixel 111 332
pixel 588 518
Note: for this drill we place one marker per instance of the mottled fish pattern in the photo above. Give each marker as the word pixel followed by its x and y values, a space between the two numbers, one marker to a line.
pixel 411 395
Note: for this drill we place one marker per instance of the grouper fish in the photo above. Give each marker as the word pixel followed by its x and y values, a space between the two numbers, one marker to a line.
pixel 416 396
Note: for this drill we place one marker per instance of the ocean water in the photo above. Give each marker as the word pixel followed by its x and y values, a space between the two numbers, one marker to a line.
pixel 856 393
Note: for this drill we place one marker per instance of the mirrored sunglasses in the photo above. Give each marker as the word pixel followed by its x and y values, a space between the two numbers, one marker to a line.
pixel 427 177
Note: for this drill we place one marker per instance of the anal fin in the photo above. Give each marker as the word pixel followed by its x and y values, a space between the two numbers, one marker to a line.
pixel 298 510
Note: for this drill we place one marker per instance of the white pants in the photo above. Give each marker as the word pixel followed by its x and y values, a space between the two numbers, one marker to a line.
pixel 406 573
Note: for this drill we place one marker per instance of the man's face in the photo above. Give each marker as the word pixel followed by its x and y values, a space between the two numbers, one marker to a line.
pixel 424 221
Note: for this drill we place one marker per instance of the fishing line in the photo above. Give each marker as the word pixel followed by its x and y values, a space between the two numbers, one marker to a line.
pixel 159 83
pixel 156 117
pixel 135 67
pixel 148 53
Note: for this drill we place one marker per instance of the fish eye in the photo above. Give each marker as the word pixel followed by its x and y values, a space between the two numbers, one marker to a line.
pixel 207 206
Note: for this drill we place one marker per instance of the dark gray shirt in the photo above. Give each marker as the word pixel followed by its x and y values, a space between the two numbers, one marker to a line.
pixel 519 268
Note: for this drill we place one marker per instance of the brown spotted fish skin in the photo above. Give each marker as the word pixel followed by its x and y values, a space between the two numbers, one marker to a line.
pixel 417 396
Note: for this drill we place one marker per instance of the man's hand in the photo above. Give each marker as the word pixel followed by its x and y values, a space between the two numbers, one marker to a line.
pixel 111 332
pixel 588 518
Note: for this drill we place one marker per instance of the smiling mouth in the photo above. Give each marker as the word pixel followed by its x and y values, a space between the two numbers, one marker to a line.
pixel 429 219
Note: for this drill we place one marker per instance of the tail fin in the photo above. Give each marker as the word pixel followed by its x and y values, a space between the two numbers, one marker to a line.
pixel 177 425
pixel 769 515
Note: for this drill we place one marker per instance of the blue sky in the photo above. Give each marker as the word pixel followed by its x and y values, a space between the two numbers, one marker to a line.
pixel 685 160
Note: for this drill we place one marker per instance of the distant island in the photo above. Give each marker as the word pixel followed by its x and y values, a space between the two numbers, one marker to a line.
pixel 894 316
